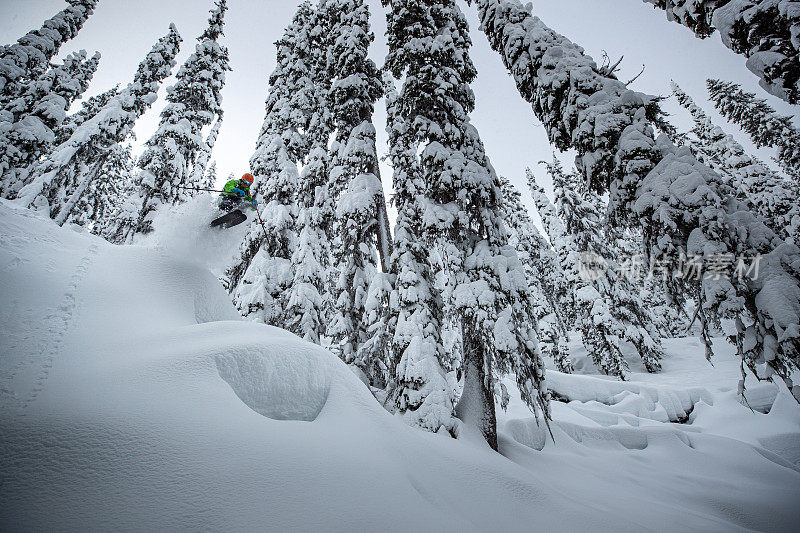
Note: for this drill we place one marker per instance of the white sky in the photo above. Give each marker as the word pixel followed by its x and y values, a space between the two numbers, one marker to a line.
pixel 123 31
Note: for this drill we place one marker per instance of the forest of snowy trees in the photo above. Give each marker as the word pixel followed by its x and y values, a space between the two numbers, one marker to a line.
pixel 653 230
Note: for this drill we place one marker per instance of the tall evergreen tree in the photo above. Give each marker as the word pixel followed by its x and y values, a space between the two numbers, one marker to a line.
pixel 200 171
pixel 764 31
pixel 667 318
pixel 30 56
pixel 36 114
pixel 419 385
pixel 193 102
pixel 210 176
pixel 774 197
pixel 544 274
pixel 457 194
pixel 62 178
pixel 586 108
pixel 582 216
pixel 309 299
pixel 600 331
pixel 121 207
pixel 760 121
pixel 260 279
pixel 305 314
pixel 355 188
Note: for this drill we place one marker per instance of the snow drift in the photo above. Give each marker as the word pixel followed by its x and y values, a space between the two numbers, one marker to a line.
pixel 133 397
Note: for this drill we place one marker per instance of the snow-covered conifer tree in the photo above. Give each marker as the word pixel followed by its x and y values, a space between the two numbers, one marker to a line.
pixel 193 102
pixel 30 56
pixel 581 213
pixel 29 121
pixel 544 274
pixel 260 279
pixel 760 121
pixel 309 301
pixel 774 197
pixel 98 210
pixel 200 171
pixel 617 153
pixel 419 384
pixel 455 195
pixel 210 176
pixel 764 31
pixel 62 178
pixel 89 108
pixel 123 205
pixel 600 331
pixel 355 187
pixel 306 309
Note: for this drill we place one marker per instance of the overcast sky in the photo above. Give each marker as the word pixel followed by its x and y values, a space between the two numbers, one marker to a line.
pixel 123 31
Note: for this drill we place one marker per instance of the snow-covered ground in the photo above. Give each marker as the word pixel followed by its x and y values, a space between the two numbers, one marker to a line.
pixel 132 397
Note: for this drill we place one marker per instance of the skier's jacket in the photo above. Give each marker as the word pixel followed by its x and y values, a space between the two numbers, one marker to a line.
pixel 232 188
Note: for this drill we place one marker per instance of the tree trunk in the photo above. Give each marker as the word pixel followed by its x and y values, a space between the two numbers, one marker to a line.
pixel 383 234
pixel 476 405
pixel 66 210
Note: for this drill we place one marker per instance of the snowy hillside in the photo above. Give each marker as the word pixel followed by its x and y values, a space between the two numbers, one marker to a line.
pixel 133 397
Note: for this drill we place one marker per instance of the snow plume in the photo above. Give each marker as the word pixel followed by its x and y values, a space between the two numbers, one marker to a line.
pixel 611 132
pixel 183 231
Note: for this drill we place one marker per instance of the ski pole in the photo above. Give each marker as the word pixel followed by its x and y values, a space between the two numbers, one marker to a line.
pixel 262 223
pixel 197 188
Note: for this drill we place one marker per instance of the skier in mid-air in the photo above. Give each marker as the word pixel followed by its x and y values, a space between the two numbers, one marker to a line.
pixel 235 193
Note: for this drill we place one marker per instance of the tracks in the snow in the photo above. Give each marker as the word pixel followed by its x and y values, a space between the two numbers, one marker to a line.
pixel 32 377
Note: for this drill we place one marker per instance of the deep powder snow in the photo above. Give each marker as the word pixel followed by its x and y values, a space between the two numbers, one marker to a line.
pixel 133 397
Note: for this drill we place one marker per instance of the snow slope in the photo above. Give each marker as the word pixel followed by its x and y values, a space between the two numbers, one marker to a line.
pixel 132 397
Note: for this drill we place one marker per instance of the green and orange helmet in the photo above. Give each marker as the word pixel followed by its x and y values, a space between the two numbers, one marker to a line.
pixel 246 180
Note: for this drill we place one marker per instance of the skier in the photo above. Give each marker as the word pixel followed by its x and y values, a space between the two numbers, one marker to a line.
pixel 235 192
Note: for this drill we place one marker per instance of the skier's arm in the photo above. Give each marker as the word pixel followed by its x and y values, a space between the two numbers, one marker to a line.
pixel 231 188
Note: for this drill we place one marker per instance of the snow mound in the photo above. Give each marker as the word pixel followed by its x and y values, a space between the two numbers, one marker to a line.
pixel 285 380
pixel 625 398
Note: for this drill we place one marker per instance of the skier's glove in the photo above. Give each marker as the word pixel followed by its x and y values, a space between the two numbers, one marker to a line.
pixel 237 192
pixel 255 203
